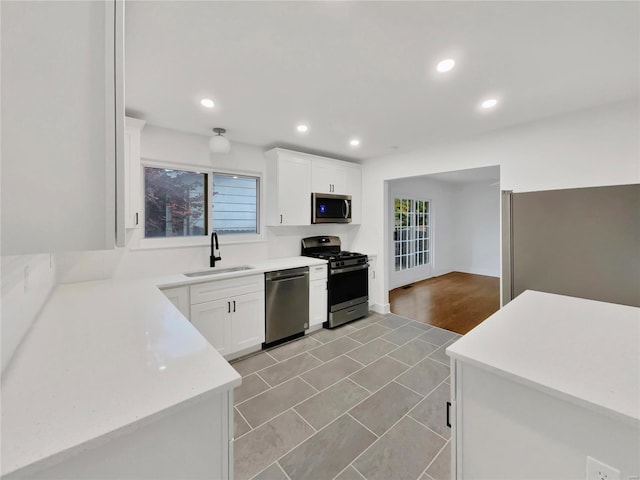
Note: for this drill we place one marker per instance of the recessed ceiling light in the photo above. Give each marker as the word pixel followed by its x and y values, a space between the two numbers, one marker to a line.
pixel 489 103
pixel 446 65
pixel 354 142
pixel 302 128
pixel 207 102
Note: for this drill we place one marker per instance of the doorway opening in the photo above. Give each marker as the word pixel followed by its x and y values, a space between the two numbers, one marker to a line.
pixel 446 247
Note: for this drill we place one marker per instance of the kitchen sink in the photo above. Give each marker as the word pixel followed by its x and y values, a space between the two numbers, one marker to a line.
pixel 217 272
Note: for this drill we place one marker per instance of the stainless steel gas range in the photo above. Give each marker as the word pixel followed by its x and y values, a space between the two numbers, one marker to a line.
pixel 348 279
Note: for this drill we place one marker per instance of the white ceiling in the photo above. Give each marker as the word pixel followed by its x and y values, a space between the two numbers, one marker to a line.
pixel 367 69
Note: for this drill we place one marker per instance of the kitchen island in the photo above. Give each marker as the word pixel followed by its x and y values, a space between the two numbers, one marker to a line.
pixel 543 383
pixel 112 381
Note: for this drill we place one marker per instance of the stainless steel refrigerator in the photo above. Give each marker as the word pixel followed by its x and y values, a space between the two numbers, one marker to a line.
pixel 582 242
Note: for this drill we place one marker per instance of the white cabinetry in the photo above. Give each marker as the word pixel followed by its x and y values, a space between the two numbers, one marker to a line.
pixel 179 296
pixel 317 296
pixel 293 176
pixel 530 399
pixel 329 176
pixel 372 278
pixel 230 314
pixel 62 124
pixel 288 188
pixel 132 172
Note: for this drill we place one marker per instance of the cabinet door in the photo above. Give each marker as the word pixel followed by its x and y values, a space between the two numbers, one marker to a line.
pixel 317 302
pixel 294 191
pixel 247 321
pixel 322 176
pixel 213 321
pixel 132 173
pixel 372 278
pixel 329 176
pixel 60 143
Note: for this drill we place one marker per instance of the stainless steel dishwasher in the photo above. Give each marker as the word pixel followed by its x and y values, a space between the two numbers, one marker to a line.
pixel 286 304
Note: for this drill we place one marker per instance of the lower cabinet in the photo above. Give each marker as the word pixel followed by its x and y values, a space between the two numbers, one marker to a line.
pixel 233 324
pixel 318 296
pixel 372 278
pixel 213 321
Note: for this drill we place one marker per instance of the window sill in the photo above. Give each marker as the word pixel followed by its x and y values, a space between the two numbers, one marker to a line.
pixel 204 241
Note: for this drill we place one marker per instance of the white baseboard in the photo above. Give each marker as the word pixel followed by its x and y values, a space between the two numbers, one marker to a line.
pixel 380 308
pixel 489 272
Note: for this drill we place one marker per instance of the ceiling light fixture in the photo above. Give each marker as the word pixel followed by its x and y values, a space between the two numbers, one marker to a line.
pixel 302 128
pixel 489 103
pixel 354 142
pixel 218 143
pixel 207 102
pixel 446 65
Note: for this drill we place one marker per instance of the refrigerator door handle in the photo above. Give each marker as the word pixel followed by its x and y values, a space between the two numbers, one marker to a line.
pixel 506 198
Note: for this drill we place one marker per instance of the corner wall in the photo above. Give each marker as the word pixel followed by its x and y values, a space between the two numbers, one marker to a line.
pixel 477 228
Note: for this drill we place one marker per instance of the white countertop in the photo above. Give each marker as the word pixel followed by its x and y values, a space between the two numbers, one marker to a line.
pixel 271 265
pixel 584 351
pixel 105 356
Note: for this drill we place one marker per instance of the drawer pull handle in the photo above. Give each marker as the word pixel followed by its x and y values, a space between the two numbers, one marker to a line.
pixel 448 412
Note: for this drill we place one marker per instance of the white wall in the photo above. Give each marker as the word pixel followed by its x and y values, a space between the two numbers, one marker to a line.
pixel 178 148
pixel 477 228
pixel 588 148
pixel 27 281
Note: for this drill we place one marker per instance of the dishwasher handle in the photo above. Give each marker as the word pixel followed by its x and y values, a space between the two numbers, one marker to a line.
pixel 287 279
pixel 287 275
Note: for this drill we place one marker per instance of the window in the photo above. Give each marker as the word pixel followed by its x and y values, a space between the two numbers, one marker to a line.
pixel 183 203
pixel 235 204
pixel 175 203
pixel 411 233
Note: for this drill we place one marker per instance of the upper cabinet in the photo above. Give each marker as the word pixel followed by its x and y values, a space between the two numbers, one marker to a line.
pixel 329 176
pixel 293 176
pixel 288 188
pixel 132 172
pixel 62 126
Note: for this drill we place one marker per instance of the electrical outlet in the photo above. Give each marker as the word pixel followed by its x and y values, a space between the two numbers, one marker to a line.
pixel 596 470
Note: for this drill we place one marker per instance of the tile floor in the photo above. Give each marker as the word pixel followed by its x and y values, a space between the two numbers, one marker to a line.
pixel 363 401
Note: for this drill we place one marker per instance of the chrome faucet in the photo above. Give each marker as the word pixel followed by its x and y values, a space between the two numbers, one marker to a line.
pixel 213 258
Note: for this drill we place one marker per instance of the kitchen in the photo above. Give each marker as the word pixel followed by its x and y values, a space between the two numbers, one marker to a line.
pixel 588 141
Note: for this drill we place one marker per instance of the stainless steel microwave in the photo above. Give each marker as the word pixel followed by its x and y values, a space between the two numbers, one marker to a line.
pixel 329 208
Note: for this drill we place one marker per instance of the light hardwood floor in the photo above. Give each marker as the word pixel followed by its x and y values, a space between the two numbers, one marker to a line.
pixel 455 301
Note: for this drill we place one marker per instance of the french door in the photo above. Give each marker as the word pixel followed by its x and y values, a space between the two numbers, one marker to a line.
pixel 411 235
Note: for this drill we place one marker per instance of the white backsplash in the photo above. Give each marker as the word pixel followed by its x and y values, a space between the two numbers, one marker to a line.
pixel 27 281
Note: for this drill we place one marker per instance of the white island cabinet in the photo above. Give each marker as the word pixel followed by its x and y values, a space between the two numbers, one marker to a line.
pixel 544 383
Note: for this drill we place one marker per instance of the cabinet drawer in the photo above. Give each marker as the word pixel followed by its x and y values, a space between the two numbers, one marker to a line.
pixel 218 289
pixel 317 271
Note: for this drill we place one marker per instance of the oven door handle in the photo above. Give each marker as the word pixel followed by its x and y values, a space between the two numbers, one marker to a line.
pixel 335 271
pixel 348 208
